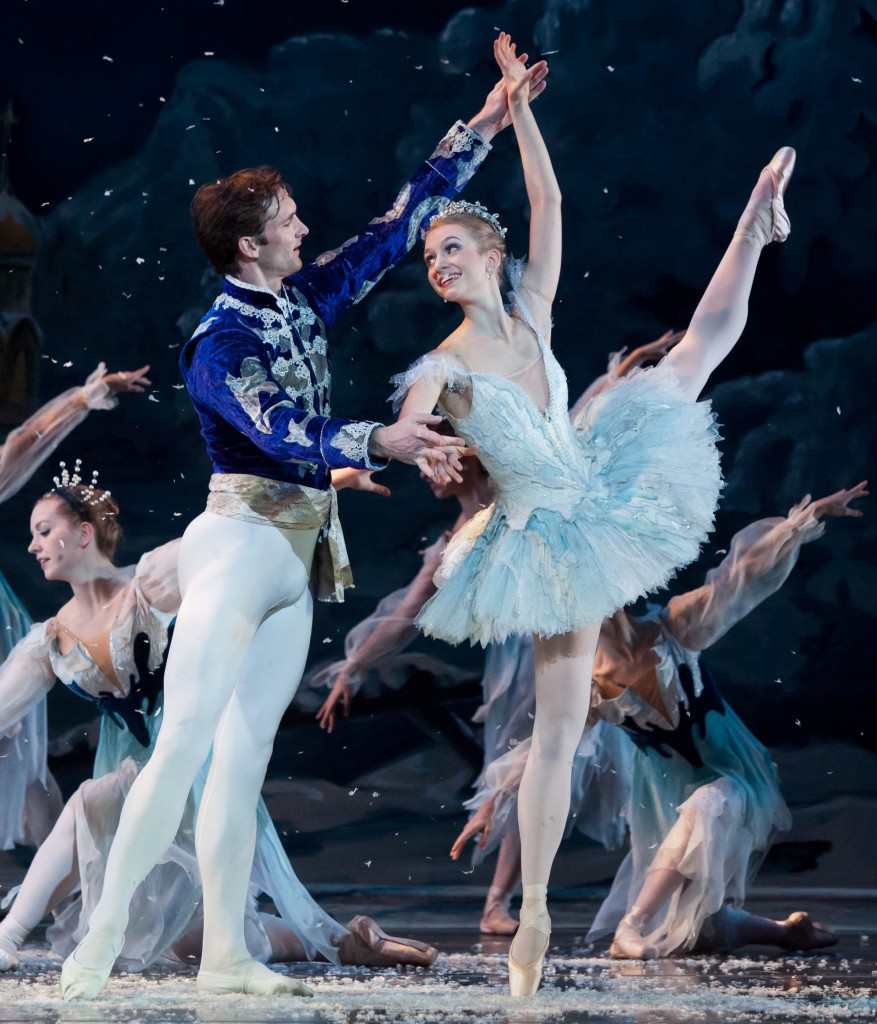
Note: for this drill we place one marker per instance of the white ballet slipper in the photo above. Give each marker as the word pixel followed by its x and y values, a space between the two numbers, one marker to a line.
pixel 253 979
pixel 8 960
pixel 80 980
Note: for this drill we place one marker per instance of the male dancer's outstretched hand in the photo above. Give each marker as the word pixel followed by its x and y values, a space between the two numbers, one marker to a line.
pixel 411 440
pixel 494 115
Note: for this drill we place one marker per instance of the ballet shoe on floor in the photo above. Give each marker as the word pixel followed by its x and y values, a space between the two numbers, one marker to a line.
pixel 83 980
pixel 496 920
pixel 628 942
pixel 8 961
pixel 765 219
pixel 368 945
pixel 253 979
pixel 525 978
pixel 804 934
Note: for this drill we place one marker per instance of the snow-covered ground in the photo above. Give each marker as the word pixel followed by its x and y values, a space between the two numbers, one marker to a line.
pixel 469 985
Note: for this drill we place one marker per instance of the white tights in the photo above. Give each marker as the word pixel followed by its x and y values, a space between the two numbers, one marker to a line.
pixel 721 313
pixel 237 656
pixel 52 875
pixel 563 671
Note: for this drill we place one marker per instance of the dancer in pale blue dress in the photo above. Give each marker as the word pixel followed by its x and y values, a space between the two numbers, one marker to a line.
pixel 31 799
pixel 588 516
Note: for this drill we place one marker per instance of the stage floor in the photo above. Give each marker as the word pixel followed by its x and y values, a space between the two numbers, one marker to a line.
pixel 467 983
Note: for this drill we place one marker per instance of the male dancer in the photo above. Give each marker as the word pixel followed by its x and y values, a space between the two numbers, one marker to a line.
pixel 257 370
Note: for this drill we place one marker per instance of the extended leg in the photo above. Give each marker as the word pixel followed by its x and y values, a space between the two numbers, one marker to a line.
pixel 52 875
pixel 564 666
pixel 226 832
pixel 721 314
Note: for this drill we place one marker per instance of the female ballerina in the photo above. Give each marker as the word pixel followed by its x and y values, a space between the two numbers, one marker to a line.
pixel 31 799
pixel 108 644
pixel 375 654
pixel 698 791
pixel 588 516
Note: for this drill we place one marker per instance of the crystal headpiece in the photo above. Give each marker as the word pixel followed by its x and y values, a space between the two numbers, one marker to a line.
pixel 65 481
pixel 460 206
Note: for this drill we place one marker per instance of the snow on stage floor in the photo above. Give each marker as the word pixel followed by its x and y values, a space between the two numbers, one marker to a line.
pixel 467 983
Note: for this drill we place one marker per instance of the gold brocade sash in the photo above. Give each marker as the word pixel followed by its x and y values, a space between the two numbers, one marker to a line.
pixel 255 499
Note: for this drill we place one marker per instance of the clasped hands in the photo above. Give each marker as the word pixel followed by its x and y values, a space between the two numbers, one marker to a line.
pixel 411 439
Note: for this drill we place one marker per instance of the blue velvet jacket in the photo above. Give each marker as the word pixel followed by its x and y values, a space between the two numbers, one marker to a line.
pixel 257 366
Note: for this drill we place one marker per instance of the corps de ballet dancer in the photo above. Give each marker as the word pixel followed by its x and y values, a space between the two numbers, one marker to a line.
pixel 257 371
pixel 588 516
pixel 31 798
pixel 698 792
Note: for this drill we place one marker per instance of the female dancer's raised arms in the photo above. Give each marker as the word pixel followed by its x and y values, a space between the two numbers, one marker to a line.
pixel 543 192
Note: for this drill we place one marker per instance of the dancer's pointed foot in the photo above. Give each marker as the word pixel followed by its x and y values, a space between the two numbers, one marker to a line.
pixel 8 961
pixel 368 945
pixel 496 920
pixel 530 944
pixel 765 219
pixel 253 979
pixel 85 972
pixel 628 943
pixel 804 934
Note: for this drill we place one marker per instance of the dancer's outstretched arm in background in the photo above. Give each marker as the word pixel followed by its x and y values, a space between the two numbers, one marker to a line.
pixel 29 445
pixel 620 364
pixel 759 561
pixel 387 631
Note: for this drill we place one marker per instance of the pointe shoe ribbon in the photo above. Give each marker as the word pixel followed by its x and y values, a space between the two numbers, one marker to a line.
pixel 524 979
pixel 79 981
pixel 254 980
pixel 373 947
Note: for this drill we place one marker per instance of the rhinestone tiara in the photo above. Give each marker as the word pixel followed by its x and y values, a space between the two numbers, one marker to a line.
pixel 460 206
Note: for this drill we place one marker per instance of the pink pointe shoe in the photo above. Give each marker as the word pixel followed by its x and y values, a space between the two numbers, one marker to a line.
pixel 524 979
pixel 628 943
pixel 765 219
pixel 368 945
pixel 496 920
